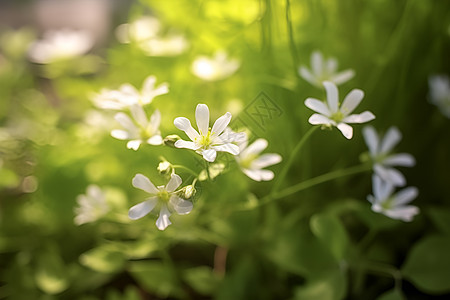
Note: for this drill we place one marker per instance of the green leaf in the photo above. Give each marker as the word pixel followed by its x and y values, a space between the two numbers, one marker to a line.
pixel 330 231
pixel 328 286
pixel 156 277
pixel 103 259
pixel 201 279
pixel 441 218
pixel 393 294
pixel 50 274
pixel 428 264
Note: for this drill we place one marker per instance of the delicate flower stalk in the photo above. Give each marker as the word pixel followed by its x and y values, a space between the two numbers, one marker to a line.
pixel 139 129
pixel 128 95
pixel 380 154
pixel 91 206
pixel 252 163
pixel 215 68
pixel 207 141
pixel 332 114
pixel 324 70
pixel 393 205
pixel 163 197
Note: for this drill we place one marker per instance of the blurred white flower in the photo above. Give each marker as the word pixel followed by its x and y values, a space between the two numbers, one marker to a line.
pixel 380 153
pixel 207 141
pixel 61 44
pixel 394 206
pixel 215 68
pixel 324 70
pixel 165 197
pixel 169 45
pixel 333 114
pixel 128 95
pixel 91 206
pixel 252 163
pixel 439 94
pixel 139 129
pixel 139 30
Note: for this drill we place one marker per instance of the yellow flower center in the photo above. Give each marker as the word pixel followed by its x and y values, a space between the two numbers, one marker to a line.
pixel 204 140
pixel 245 163
pixel 337 116
pixel 164 195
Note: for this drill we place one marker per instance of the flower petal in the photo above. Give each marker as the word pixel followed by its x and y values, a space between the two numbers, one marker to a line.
pixel 155 119
pixel 186 144
pixel 317 119
pixel 230 148
pixel 220 124
pixel 255 148
pixel 266 160
pixel 405 196
pixel 142 182
pixel 163 219
pixel 346 130
pixel 343 76
pixel 209 155
pixel 318 106
pixel 317 63
pixel 359 118
pixel 155 140
pixel 400 159
pixel 202 118
pixel 140 210
pixel 134 144
pixel 351 101
pixel 332 96
pixel 126 122
pixel 259 175
pixel 181 206
pixel 173 183
pixel 382 190
pixel 306 74
pixel 185 125
pixel 391 138
pixel 371 138
pixel 120 134
pixel 331 66
pixel 139 115
pixel 405 213
pixel 390 175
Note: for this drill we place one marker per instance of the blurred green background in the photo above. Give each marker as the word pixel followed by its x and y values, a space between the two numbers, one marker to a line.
pixel 321 243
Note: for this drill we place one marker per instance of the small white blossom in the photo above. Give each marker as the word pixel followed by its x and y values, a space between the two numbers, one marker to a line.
pixel 91 206
pixel 128 95
pixel 380 153
pixel 207 141
pixel 215 68
pixel 162 196
pixel 60 44
pixel 324 70
pixel 139 30
pixel 394 206
pixel 139 129
pixel 170 45
pixel 252 164
pixel 333 114
pixel 439 93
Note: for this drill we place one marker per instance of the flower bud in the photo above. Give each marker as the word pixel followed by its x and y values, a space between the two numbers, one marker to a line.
pixel 188 191
pixel 165 168
pixel 171 139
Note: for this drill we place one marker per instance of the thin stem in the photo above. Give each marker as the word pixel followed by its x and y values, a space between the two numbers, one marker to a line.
pixel 291 158
pixel 292 46
pixel 315 181
pixel 185 168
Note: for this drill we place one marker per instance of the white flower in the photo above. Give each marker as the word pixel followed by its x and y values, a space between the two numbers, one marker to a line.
pixel 140 129
pixel 252 164
pixel 128 95
pixel 440 93
pixel 170 45
pixel 207 141
pixel 60 44
pixel 163 196
pixel 139 30
pixel 380 152
pixel 393 206
pixel 333 114
pixel 91 206
pixel 216 68
pixel 324 70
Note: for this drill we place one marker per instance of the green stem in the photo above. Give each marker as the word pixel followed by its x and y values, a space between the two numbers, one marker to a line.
pixel 293 155
pixel 292 46
pixel 185 168
pixel 315 181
